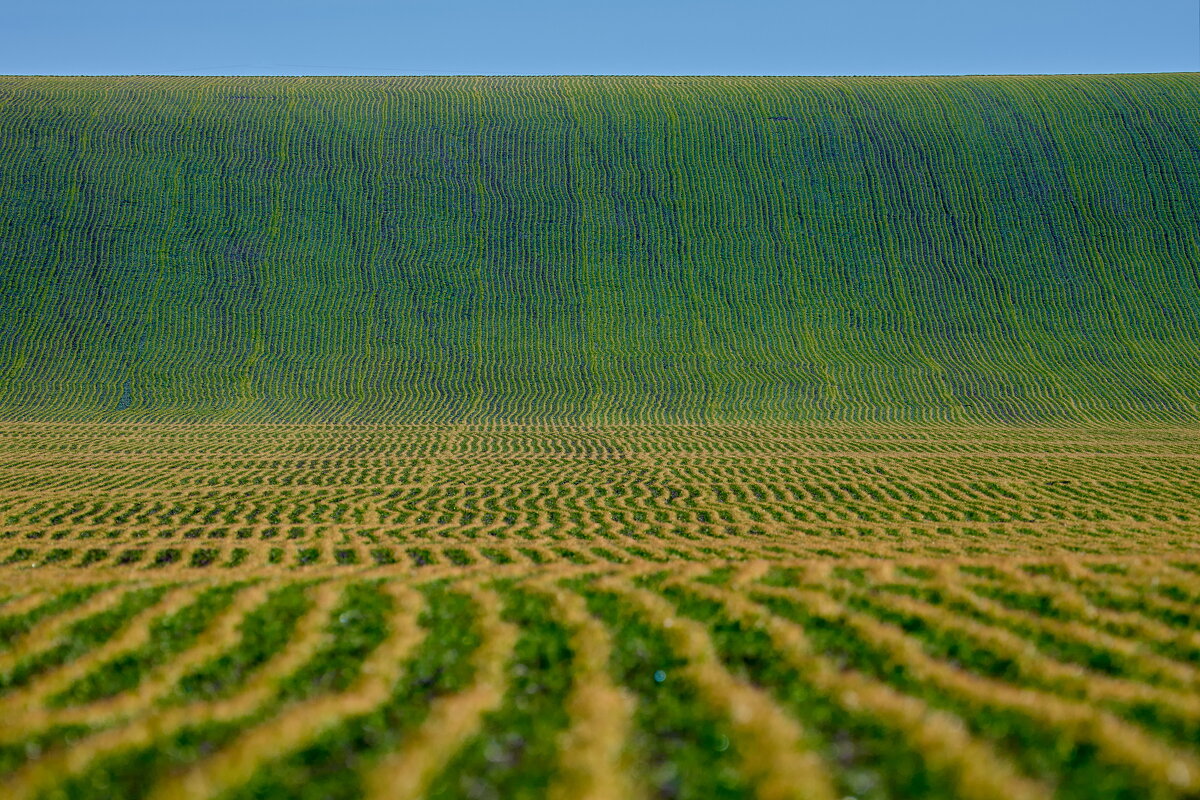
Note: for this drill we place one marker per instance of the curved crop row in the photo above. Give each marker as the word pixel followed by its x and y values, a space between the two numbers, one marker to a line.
pixel 592 250
pixel 878 680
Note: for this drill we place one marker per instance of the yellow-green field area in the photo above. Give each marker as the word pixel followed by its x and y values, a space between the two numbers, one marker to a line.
pixel 251 611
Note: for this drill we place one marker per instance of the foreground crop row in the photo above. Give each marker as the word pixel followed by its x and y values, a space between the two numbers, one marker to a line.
pixel 1065 678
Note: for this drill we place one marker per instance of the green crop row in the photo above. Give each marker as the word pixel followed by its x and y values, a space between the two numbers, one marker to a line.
pixel 599 250
pixel 896 684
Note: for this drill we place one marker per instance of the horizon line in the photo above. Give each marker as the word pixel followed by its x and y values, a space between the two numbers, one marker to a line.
pixel 576 75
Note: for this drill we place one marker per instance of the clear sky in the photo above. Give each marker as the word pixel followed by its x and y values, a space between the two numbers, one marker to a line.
pixel 535 37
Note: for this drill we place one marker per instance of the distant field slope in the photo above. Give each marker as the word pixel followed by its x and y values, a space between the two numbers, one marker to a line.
pixel 600 250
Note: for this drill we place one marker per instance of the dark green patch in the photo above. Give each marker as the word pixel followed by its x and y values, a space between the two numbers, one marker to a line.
pixel 264 632
pixel 681 748
pixel 515 754
pixel 16 625
pixel 358 626
pixel 328 769
pixel 82 636
pixel 169 636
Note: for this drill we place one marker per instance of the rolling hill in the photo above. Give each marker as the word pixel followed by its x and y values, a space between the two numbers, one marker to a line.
pixel 600 250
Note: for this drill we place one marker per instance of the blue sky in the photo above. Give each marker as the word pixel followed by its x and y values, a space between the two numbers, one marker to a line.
pixel 530 37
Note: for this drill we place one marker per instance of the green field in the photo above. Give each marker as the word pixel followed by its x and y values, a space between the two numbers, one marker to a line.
pixel 600 438
pixel 601 250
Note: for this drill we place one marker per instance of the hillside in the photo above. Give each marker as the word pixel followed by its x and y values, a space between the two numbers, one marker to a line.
pixel 600 250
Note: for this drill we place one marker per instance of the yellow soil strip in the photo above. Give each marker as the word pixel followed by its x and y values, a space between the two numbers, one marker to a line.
pixel 301 722
pixel 1178 572
pixel 1150 663
pixel 771 743
pixel 1120 741
pixel 51 768
pixel 1034 663
pixel 1136 624
pixel 1160 604
pixel 29 702
pixel 979 772
pixel 1147 573
pixel 221 634
pixel 17 603
pixel 405 773
pixel 308 637
pixel 593 764
pixel 47 634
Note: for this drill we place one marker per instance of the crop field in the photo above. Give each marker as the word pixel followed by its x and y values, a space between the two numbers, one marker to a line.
pixel 600 250
pixel 600 438
pixel 244 611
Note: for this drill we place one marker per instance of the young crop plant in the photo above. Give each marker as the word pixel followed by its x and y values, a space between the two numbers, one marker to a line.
pixel 678 744
pixel 585 437
pixel 167 636
pixel 264 631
